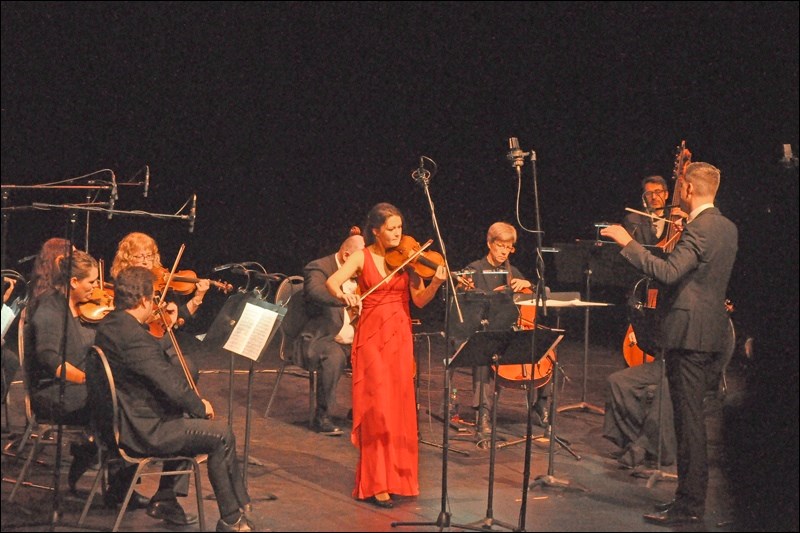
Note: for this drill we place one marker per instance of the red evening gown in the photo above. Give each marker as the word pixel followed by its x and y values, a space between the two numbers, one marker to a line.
pixel 384 407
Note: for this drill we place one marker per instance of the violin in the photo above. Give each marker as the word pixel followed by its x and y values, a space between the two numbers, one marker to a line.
pixel 183 282
pixel 424 264
pixel 101 301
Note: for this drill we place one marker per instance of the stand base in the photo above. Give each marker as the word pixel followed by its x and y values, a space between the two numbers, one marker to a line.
pixel 582 406
pixel 442 522
pixel 653 475
pixel 441 447
pixel 487 523
pixel 552 481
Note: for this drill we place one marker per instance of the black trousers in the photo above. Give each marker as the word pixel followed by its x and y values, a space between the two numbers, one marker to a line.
pixel 688 374
pixel 200 436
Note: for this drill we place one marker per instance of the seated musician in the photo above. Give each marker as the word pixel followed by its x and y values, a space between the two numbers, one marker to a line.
pixel 140 249
pixel 494 279
pixel 632 394
pixel 161 413
pixel 327 336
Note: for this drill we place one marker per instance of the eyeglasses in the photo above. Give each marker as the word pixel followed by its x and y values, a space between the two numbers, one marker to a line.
pixel 504 247
pixel 143 257
pixel 659 192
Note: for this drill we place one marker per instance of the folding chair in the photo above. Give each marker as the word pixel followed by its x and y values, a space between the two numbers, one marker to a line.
pixel 289 290
pixel 105 419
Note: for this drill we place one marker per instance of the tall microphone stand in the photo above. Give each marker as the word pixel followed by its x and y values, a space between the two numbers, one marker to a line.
pixel 423 176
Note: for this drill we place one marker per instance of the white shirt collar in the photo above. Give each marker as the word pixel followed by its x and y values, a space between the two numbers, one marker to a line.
pixel 697 210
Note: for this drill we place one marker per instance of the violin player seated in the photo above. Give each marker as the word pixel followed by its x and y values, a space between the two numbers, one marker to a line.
pixel 161 413
pixel 326 331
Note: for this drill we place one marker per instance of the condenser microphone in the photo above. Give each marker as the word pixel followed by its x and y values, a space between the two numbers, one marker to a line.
pixel 226 266
pixel 421 175
pixel 193 213
pixel 515 154
pixel 113 196
pixel 146 180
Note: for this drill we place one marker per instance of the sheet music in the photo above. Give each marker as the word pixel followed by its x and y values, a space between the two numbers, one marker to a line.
pixel 252 332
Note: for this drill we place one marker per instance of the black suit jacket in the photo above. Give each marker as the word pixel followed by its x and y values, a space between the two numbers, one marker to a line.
pixel 697 270
pixel 151 390
pixel 641 228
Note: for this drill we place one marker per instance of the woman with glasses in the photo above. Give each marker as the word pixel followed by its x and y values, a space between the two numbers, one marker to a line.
pixel 496 280
pixel 140 249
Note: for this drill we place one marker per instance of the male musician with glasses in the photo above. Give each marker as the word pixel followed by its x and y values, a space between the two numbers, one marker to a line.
pixel 646 230
pixel 495 279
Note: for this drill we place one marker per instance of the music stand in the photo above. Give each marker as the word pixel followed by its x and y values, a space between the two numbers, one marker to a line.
pixel 245 326
pixel 493 348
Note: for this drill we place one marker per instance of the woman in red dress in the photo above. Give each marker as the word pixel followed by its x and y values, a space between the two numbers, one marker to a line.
pixel 384 407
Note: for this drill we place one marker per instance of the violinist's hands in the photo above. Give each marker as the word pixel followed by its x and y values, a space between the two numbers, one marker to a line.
pixel 352 302
pixel 209 409
pixel 465 283
pixel 201 288
pixel 440 276
pixel 617 233
pixel 171 312
pixel 518 284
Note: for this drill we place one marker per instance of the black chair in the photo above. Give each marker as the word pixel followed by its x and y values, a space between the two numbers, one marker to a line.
pixel 289 294
pixel 39 431
pixel 105 419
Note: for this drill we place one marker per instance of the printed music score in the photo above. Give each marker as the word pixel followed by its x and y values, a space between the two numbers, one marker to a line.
pixel 252 331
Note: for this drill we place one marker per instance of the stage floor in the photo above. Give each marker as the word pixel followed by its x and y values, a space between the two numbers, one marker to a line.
pixel 312 475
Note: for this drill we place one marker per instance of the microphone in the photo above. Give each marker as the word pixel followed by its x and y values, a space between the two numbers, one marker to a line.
pixel 146 180
pixel 113 197
pixel 515 154
pixel 193 213
pixel 255 274
pixel 225 267
pixel 421 174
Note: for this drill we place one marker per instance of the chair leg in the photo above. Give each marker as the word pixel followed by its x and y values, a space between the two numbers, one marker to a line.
pixel 275 389
pixel 198 487
pixel 95 487
pixel 124 506
pixel 23 475
pixel 313 378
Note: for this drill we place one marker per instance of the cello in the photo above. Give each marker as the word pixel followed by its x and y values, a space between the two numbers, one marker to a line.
pixel 643 300
pixel 518 375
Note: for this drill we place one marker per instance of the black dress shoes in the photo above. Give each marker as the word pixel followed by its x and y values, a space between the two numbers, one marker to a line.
pixel 170 511
pixel 137 501
pixel 672 517
pixel 243 524
pixel 325 426
pixel 664 506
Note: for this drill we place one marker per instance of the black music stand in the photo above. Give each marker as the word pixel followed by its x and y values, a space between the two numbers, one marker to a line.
pixel 494 348
pixel 245 326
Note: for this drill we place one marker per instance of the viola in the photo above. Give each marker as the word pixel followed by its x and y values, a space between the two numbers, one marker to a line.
pixel 101 300
pixel 100 303
pixel 424 264
pixel 183 281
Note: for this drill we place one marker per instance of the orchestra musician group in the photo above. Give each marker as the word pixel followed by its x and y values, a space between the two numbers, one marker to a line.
pixel 366 282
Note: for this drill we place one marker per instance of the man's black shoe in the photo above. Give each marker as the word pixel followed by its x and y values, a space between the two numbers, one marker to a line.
pixel 137 500
pixel 664 506
pixel 170 511
pixel 243 524
pixel 325 426
pixel 672 517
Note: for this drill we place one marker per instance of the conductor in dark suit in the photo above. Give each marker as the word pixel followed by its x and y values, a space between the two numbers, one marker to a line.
pixel 160 413
pixel 693 331
pixel 328 334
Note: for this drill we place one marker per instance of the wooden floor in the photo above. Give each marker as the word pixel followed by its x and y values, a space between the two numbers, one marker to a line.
pixel 577 488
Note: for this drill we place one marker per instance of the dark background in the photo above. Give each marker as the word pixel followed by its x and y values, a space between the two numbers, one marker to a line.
pixel 290 120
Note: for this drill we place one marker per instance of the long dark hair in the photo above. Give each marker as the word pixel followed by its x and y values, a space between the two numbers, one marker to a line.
pixel 377 217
